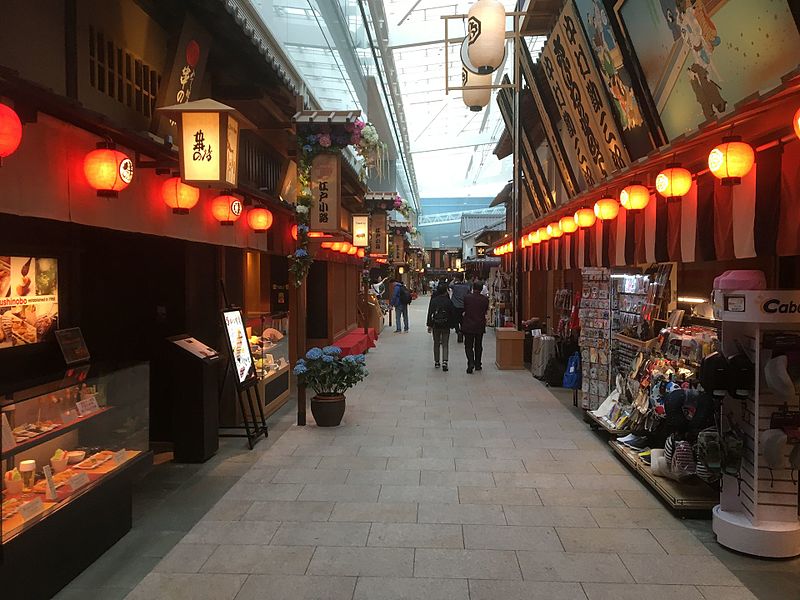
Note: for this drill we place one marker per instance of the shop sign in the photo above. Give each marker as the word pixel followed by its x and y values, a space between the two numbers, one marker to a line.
pixel 398 248
pixel 379 240
pixel 360 231
pixel 757 306
pixel 326 192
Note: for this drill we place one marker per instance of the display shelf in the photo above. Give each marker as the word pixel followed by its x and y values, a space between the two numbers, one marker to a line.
pixel 52 434
pixel 603 424
pixel 679 495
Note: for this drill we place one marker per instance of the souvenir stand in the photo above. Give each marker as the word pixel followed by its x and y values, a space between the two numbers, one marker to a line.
pixel 595 338
pixel 758 510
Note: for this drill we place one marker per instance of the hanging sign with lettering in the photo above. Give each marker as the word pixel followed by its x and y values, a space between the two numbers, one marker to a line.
pixel 379 237
pixel 326 191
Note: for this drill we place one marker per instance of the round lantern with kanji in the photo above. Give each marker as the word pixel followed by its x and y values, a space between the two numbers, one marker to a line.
pixel 731 160
pixel 108 170
pixel 226 209
pixel 259 219
pixel 179 196
pixel 10 131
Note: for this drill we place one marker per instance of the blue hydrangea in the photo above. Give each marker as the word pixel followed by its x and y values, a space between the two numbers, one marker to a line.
pixel 360 358
pixel 327 358
pixel 314 354
pixel 332 350
pixel 299 369
pixel 350 360
pixel 302 228
pixel 307 149
pixel 301 253
pixel 311 138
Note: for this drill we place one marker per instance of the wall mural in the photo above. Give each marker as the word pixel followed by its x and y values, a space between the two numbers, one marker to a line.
pixel 701 57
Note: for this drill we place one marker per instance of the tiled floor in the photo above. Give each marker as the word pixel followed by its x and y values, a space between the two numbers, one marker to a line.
pixel 436 486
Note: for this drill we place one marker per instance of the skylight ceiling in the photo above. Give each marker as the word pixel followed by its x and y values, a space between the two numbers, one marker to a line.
pixel 451 146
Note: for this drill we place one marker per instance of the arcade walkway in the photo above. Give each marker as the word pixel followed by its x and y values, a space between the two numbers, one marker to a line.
pixel 441 486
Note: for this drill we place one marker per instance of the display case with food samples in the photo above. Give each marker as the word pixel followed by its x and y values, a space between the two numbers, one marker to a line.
pixel 71 445
pixel 269 345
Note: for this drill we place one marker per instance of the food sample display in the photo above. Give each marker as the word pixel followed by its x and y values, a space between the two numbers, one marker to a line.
pixel 66 436
pixel 270 349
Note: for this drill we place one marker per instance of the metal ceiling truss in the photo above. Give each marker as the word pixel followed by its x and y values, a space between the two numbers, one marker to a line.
pixel 455 216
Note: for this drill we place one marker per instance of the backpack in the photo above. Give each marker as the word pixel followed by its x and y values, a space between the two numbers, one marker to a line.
pixel 441 318
pixel 572 376
pixel 554 372
pixel 405 295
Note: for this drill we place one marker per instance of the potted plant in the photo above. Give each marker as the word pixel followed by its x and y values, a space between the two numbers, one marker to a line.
pixel 330 375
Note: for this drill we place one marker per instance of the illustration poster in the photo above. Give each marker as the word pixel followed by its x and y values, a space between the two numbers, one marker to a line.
pixel 239 346
pixel 701 57
pixel 28 300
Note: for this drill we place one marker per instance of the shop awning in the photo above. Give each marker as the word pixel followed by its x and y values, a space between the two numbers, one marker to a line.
pixel 503 197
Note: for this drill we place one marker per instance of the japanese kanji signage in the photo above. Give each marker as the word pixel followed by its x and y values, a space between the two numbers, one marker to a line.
pixel 398 248
pixel 326 191
pixel 209 142
pixel 379 237
pixel 360 231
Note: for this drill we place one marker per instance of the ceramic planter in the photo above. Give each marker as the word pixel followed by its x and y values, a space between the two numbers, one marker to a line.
pixel 328 410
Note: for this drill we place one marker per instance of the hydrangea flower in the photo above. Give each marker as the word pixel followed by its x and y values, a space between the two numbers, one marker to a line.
pixel 301 253
pixel 327 358
pixel 332 350
pixel 302 228
pixel 307 149
pixel 301 209
pixel 314 354
pixel 360 358
pixel 325 140
pixel 311 138
pixel 300 368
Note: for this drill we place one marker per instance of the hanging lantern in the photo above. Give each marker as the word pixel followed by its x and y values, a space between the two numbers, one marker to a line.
pixel 345 247
pixel 731 160
pixel 108 170
pixel 606 209
pixel 567 224
pixel 795 124
pixel 476 99
pixel 293 232
pixel 486 32
pixel 554 231
pixel 361 253
pixel 10 132
pixel 634 196
pixel 543 235
pixel 326 245
pixel 259 219
pixel 584 217
pixel 673 182
pixel 226 209
pixel 336 247
pixel 535 239
pixel 352 250
pixel 179 196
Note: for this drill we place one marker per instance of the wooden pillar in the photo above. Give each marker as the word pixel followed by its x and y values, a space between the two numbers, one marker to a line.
pixel 297 346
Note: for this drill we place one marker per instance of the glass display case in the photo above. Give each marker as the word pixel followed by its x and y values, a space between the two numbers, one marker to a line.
pixel 68 442
pixel 269 343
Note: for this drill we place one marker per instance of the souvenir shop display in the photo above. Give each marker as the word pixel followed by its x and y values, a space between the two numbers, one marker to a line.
pixel 595 336
pixel 756 378
pixel 562 305
pixel 499 286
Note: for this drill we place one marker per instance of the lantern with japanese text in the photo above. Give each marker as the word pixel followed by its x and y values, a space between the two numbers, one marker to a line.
pixel 10 131
pixel 731 160
pixel 673 182
pixel 486 35
pixel 108 170
pixel 585 217
pixel 475 94
pixel 226 209
pixel 606 209
pixel 259 219
pixel 567 224
pixel 179 196
pixel 634 196
pixel 208 136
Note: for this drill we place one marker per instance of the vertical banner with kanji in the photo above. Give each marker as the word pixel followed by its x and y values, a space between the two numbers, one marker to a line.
pixel 379 237
pixel 398 248
pixel 326 191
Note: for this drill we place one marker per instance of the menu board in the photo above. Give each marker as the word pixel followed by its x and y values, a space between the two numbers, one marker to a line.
pixel 242 359
pixel 72 345
pixel 28 299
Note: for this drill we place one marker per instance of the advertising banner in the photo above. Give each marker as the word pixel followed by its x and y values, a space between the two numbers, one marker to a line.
pixel 28 300
pixel 326 191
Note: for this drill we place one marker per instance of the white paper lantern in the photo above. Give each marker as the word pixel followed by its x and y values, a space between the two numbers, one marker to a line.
pixel 486 32
pixel 476 99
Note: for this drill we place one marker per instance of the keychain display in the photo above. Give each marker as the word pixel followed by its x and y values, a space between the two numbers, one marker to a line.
pixel 595 338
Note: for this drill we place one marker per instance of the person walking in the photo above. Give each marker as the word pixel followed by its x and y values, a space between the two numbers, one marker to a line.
pixel 474 326
pixel 459 289
pixel 401 298
pixel 441 317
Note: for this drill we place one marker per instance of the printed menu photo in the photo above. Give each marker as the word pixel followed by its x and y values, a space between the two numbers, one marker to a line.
pixel 28 300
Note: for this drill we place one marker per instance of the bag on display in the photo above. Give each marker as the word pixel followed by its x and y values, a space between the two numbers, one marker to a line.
pixel 709 454
pixel 683 463
pixel 572 376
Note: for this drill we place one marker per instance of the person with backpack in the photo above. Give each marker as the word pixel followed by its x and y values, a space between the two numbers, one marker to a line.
pixel 459 289
pixel 401 298
pixel 474 326
pixel 441 318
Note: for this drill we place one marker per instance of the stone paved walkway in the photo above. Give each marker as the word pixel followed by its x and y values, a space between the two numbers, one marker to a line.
pixel 440 486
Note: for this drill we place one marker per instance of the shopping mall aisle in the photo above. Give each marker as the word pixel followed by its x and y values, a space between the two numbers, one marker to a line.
pixel 440 486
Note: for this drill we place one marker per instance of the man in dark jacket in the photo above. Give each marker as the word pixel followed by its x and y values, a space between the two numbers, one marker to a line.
pixel 460 289
pixel 401 298
pixel 441 317
pixel 474 326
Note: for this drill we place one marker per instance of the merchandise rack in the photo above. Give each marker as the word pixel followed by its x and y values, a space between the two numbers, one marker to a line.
pixel 691 495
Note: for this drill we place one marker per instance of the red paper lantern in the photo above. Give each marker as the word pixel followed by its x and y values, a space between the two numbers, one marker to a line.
pixel 345 247
pixel 606 209
pixel 10 131
pixel 634 197
pixel 585 217
pixel 731 160
pixel 108 171
pixel 336 247
pixel 673 182
pixel 352 250
pixel 326 245
pixel 294 232
pixel 179 196
pixel 567 224
pixel 361 253
pixel 226 209
pixel 554 231
pixel 543 235
pixel 259 219
pixel 796 123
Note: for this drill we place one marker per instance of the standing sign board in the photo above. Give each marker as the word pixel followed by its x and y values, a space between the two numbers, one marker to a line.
pixel 326 191
pixel 241 358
